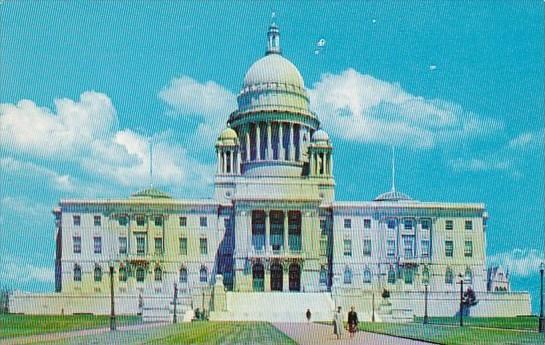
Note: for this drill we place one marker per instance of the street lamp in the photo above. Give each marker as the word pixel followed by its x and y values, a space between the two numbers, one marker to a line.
pixel 174 319
pixel 461 300
pixel 426 303
pixel 541 317
pixel 112 306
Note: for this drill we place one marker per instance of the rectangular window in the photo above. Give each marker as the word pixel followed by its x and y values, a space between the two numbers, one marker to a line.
pixel 347 223
pixel 408 246
pixel 123 220
pixel 158 245
pixel 158 220
pixel 204 246
pixel 97 245
pixel 425 247
pixel 140 245
pixel 449 248
pixel 183 246
pixel 203 221
pixel 323 247
pixel 426 224
pixel 347 247
pixel 183 222
pixel 77 220
pixel 323 227
pixel 97 220
pixel 408 224
pixel 140 220
pixel 468 249
pixel 408 275
pixel 76 240
pixel 392 224
pixel 367 247
pixel 122 245
pixel 391 248
pixel 367 223
pixel 468 225
pixel 449 225
pixel 227 223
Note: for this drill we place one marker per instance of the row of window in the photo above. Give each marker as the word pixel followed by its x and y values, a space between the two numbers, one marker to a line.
pixel 140 274
pixel 449 249
pixel 141 221
pixel 409 224
pixel 408 247
pixel 407 274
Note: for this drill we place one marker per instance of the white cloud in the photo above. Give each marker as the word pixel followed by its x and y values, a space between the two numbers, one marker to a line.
pixel 29 170
pixel 479 165
pixel 528 140
pixel 361 108
pixel 17 270
pixel 520 262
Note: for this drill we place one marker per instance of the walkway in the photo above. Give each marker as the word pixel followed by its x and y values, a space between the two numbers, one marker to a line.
pixel 314 334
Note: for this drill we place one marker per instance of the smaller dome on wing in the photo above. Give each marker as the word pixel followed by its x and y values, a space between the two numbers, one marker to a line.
pixel 320 136
pixel 228 137
pixel 393 195
pixel 152 193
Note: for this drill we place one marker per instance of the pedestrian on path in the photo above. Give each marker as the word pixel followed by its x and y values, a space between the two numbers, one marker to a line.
pixel 352 322
pixel 309 315
pixel 338 323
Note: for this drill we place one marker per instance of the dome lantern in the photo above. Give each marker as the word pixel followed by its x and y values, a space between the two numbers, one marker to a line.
pixel 273 39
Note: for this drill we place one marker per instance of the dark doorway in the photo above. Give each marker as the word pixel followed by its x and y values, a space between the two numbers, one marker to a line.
pixel 295 277
pixel 258 277
pixel 276 277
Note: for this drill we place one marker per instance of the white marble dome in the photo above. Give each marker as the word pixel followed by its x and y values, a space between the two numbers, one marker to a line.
pixel 273 68
pixel 320 136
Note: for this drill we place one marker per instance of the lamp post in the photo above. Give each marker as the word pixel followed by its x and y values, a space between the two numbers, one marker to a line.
pixel 461 300
pixel 112 305
pixel 174 319
pixel 541 317
pixel 426 303
pixel 373 315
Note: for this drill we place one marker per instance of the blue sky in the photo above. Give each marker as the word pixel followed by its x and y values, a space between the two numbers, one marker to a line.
pixel 458 87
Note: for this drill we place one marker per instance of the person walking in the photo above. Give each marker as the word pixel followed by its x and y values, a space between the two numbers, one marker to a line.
pixel 309 315
pixel 352 322
pixel 338 323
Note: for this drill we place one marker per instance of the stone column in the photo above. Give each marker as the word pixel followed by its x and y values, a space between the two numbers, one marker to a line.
pixel 231 161
pixel 267 231
pixel 224 154
pixel 286 232
pixel 218 166
pixel 238 161
pixel 331 163
pixel 281 141
pixel 257 142
pixel 312 163
pixel 248 152
pixel 269 142
pixel 300 143
pixel 291 148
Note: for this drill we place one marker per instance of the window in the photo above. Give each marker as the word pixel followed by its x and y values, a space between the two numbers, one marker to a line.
pixel 426 224
pixel 76 241
pixel 77 273
pixel 183 246
pixel 227 223
pixel 123 221
pixel 449 249
pixel 468 225
pixel 76 219
pixel 391 223
pixel 204 246
pixel 122 274
pixel 183 276
pixel 140 245
pixel 183 222
pixel 408 224
pixel 97 220
pixel 425 248
pixel 203 275
pixel 203 221
pixel 468 276
pixel 323 276
pixel 367 247
pixel 408 246
pixel 158 245
pixel 468 249
pixel 323 247
pixel 390 248
pixel 347 276
pixel 367 276
pixel 158 220
pixel 140 275
pixel 408 275
pixel 391 276
pixel 98 274
pixel 158 274
pixel 140 220
pixel 323 227
pixel 347 247
pixel 426 275
pixel 347 223
pixel 97 245
pixel 449 225
pixel 367 223
pixel 122 245
pixel 449 276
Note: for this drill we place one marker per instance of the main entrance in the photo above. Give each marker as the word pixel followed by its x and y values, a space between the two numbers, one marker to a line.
pixel 276 277
pixel 258 276
pixel 295 277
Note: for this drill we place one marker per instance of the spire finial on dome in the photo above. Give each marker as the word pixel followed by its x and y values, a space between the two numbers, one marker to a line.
pixel 273 37
pixel 393 170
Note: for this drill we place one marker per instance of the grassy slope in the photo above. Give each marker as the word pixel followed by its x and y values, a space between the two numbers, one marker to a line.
pixel 521 322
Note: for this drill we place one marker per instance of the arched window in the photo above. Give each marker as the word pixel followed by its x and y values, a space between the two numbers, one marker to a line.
pixel 158 274
pixel 426 275
pixel 140 275
pixel 468 277
pixel 367 276
pixel 122 274
pixel 391 276
pixel 449 276
pixel 77 273
pixel 323 276
pixel 203 275
pixel 347 276
pixel 98 274
pixel 183 275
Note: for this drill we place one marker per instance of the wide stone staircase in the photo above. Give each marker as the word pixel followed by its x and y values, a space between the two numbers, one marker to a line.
pixel 161 309
pixel 275 307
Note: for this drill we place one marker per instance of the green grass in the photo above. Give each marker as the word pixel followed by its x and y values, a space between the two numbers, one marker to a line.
pixel 15 325
pixel 452 335
pixel 520 322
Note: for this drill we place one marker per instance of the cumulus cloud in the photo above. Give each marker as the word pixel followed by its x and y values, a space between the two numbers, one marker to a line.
pixel 520 262
pixel 29 170
pixel 18 270
pixel 476 165
pixel 362 108
pixel 528 140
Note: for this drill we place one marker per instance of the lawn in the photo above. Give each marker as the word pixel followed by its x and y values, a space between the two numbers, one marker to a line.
pixel 15 325
pixel 453 335
pixel 520 322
